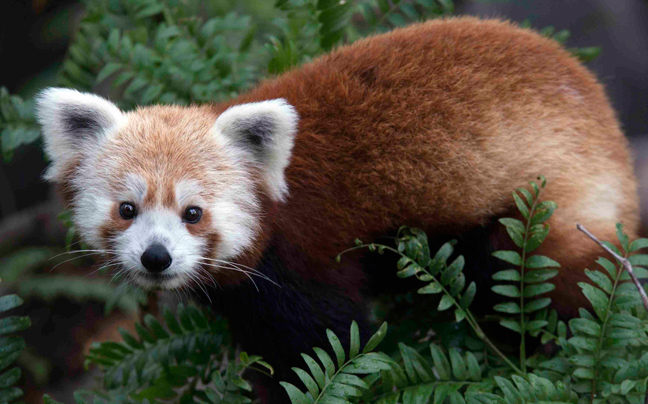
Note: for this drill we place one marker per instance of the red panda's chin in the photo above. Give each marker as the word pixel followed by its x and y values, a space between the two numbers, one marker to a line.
pixel 151 281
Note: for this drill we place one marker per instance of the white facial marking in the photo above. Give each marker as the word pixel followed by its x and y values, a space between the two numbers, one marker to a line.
pixel 134 189
pixel 187 192
pixel 165 227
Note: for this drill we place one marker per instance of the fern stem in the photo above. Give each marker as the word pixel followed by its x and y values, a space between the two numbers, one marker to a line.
pixel 330 381
pixel 603 329
pixel 482 335
pixel 469 316
pixel 522 270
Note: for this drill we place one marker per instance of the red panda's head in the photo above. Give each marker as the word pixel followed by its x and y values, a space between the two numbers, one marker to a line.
pixel 164 189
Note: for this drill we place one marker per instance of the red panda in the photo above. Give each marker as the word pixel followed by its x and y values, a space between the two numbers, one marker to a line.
pixel 431 126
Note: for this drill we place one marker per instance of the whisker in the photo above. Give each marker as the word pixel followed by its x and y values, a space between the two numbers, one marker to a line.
pixel 242 271
pixel 71 259
pixel 196 279
pixel 107 252
pixel 248 273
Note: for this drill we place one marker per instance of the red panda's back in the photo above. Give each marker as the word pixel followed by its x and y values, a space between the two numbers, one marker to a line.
pixel 434 124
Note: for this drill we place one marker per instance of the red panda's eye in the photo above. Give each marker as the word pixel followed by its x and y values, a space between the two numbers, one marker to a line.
pixel 127 210
pixel 192 214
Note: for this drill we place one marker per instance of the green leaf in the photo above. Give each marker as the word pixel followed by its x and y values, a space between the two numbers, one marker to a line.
pixel 150 10
pixel 507 275
pixel 459 369
pixel 474 370
pixel 315 370
pixel 326 361
pixel 584 373
pixel 587 344
pixel 308 381
pixel 376 339
pixel 14 324
pixel 623 238
pixel 638 244
pixel 446 302
pixel 367 363
pixel 639 260
pixel 522 207
pixel 535 325
pixel 431 288
pixel 600 279
pixel 337 347
pixel 10 377
pixel 586 326
pixel 544 211
pixel 468 296
pixel 296 396
pixel 597 298
pixel 538 289
pixel 608 265
pixel 354 346
pixel 538 234
pixel 506 290
pixel 441 363
pixel 9 302
pixel 510 392
pixel 508 307
pixel 540 261
pixel 527 195
pixel 511 325
pixel 512 257
pixel 537 304
pixel 107 71
pixel 539 275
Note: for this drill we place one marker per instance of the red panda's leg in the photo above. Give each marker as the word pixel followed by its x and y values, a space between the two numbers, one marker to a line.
pixel 281 320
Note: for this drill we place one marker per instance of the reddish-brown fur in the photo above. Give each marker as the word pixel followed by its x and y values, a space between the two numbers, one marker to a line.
pixel 433 126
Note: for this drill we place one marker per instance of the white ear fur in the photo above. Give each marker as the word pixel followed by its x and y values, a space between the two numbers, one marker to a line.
pixel 73 121
pixel 266 130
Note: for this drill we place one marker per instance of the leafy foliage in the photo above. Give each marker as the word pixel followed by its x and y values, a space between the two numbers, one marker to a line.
pixel 180 52
pixel 185 358
pixel 533 271
pixel 10 348
pixel 21 271
pixel 335 380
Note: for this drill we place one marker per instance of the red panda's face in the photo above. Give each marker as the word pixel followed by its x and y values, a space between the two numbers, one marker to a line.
pixel 167 192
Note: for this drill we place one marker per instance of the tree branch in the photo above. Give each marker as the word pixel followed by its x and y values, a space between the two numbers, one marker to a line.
pixel 624 261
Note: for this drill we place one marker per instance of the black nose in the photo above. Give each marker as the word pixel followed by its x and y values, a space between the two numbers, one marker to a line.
pixel 156 258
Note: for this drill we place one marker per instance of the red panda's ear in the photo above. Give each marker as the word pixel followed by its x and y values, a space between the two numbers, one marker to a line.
pixel 265 131
pixel 73 123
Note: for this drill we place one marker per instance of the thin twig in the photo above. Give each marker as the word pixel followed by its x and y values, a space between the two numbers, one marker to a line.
pixel 624 261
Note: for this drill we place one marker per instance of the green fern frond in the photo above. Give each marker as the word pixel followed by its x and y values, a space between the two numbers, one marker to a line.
pixel 419 379
pixel 17 123
pixel 609 359
pixel 163 357
pixel 533 271
pixel 533 389
pixel 441 277
pixel 329 381
pixel 10 348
